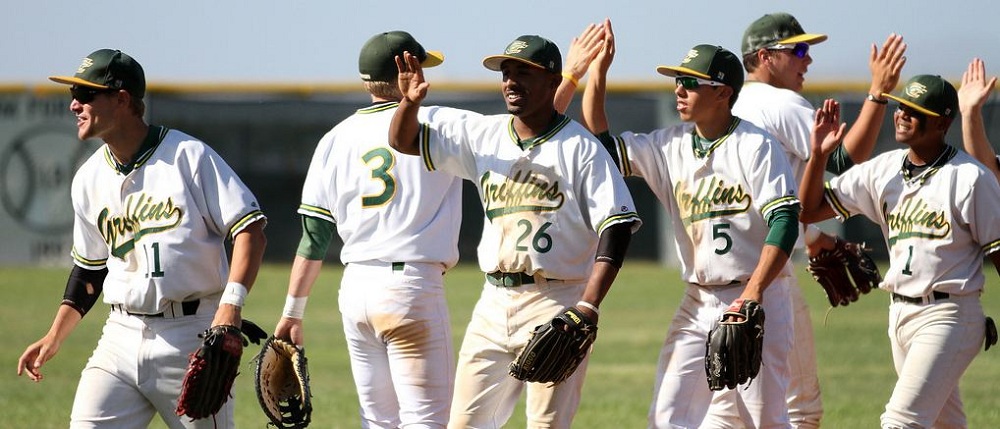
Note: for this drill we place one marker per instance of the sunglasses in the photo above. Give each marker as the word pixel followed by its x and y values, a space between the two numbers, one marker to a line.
pixel 799 49
pixel 691 82
pixel 910 112
pixel 86 95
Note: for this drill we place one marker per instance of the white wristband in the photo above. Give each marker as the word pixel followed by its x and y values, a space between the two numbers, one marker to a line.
pixel 592 307
pixel 234 294
pixel 295 307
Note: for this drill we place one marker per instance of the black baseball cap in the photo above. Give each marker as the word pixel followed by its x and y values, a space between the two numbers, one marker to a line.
pixel 776 29
pixel 710 62
pixel 377 61
pixel 533 50
pixel 930 95
pixel 108 69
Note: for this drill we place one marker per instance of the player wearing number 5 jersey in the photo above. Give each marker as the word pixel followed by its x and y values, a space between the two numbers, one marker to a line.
pixel 400 225
pixel 936 207
pixel 553 204
pixel 728 190
pixel 153 208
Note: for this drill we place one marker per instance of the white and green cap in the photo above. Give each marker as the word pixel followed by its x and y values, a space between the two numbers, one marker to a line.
pixel 533 50
pixel 377 61
pixel 108 69
pixel 928 94
pixel 710 62
pixel 776 29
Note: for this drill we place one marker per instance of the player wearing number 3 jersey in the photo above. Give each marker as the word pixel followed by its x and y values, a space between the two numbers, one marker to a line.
pixel 400 225
pixel 552 201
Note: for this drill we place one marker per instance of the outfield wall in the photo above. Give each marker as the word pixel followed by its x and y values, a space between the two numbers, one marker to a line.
pixel 268 134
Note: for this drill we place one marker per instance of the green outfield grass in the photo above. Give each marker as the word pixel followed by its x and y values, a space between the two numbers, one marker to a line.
pixel 854 359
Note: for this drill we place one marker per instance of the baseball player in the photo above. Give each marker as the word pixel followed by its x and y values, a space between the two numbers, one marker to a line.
pixel 400 224
pixel 728 189
pixel 558 220
pixel 776 58
pixel 936 208
pixel 975 90
pixel 153 208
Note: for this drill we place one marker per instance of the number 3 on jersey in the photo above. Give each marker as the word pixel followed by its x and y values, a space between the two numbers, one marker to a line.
pixel 380 161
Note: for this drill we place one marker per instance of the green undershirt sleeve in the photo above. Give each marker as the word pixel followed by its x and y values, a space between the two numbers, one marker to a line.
pixel 839 161
pixel 784 227
pixel 316 236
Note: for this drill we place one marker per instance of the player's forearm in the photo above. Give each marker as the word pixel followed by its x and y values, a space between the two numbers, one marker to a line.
pixel 772 261
pixel 564 95
pixel 862 136
pixel 303 275
pixel 405 128
pixel 65 321
pixel 593 111
pixel 248 254
pixel 814 207
pixel 599 283
pixel 976 142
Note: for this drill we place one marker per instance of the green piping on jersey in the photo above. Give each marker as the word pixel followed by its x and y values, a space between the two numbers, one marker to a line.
pixel 318 210
pixel 835 202
pixel 948 153
pixel 243 222
pixel 702 153
pixel 557 125
pixel 97 263
pixel 993 246
pixel 424 138
pixel 618 218
pixel 778 202
pixel 381 107
pixel 626 165
pixel 149 144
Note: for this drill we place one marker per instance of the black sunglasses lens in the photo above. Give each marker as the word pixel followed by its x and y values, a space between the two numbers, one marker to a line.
pixel 687 82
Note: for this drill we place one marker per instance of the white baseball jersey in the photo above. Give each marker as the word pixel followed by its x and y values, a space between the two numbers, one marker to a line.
pixel 545 204
pixel 160 227
pixel 783 113
pixel 718 199
pixel 937 225
pixel 387 207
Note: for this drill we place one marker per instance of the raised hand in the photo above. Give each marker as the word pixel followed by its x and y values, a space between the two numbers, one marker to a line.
pixel 411 78
pixel 582 51
pixel 976 88
pixel 887 64
pixel 827 130
pixel 606 53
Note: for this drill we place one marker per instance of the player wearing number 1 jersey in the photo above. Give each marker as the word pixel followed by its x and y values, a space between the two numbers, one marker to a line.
pixel 937 209
pixel 400 225
pixel 153 208
pixel 558 222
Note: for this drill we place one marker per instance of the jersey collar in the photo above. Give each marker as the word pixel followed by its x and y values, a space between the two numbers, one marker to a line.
pixel 702 153
pixel 946 155
pixel 378 107
pixel 153 138
pixel 559 121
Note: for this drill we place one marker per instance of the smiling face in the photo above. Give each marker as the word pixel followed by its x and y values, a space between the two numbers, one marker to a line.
pixel 527 90
pixel 913 128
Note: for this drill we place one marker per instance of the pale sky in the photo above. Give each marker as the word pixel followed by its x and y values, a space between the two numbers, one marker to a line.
pixel 317 42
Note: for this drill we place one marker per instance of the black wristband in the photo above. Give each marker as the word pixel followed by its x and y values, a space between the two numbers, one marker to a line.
pixel 876 100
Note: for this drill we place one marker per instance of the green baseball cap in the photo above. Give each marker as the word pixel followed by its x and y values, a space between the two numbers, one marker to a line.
pixel 930 95
pixel 710 62
pixel 108 69
pixel 377 61
pixel 536 51
pixel 776 28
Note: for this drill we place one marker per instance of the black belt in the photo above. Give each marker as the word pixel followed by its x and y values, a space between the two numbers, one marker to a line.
pixel 189 308
pixel 498 278
pixel 936 296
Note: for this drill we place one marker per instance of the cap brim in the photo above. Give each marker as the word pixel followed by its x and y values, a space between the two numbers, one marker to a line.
pixel 910 104
pixel 811 39
pixel 434 58
pixel 674 71
pixel 493 62
pixel 73 80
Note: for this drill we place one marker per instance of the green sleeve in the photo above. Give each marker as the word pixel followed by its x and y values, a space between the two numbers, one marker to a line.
pixel 839 161
pixel 608 141
pixel 784 227
pixel 316 236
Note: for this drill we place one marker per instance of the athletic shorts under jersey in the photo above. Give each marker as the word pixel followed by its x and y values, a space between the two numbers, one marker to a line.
pixel 719 198
pixel 545 199
pixel 157 227
pixel 937 224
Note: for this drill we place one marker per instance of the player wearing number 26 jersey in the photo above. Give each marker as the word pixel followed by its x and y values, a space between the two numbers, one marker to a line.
pixel 937 210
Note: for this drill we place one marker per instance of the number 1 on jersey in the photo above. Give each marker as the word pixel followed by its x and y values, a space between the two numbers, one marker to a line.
pixel 153 270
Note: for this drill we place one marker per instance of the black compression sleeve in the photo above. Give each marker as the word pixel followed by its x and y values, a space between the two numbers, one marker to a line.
pixel 614 244
pixel 83 288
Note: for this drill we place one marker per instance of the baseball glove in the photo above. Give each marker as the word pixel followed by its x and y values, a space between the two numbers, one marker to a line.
pixel 282 381
pixel 844 272
pixel 213 368
pixel 555 349
pixel 733 350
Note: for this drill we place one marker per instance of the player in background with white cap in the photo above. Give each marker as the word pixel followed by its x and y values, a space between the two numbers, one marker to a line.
pixel 936 207
pixel 558 222
pixel 400 225
pixel 729 191
pixel 153 208
pixel 776 57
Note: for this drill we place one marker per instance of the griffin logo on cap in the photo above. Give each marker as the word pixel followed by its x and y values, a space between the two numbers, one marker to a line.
pixel 692 54
pixel 87 62
pixel 915 90
pixel 516 47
